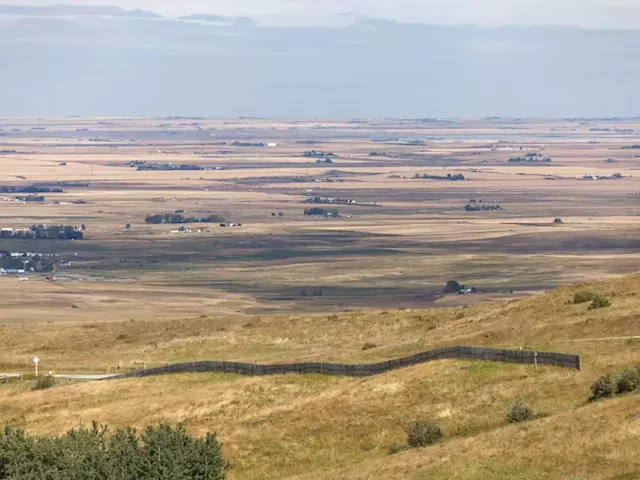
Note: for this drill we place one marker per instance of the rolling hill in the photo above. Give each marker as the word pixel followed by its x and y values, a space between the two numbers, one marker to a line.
pixel 332 427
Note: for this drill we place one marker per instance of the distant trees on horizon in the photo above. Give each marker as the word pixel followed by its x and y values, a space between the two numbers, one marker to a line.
pixel 45 232
pixel 175 218
pixel 448 177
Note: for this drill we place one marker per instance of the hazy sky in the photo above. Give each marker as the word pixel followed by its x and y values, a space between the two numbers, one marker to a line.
pixel 588 13
pixel 130 67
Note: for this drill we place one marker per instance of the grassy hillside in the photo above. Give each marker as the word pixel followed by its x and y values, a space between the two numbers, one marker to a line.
pixel 331 427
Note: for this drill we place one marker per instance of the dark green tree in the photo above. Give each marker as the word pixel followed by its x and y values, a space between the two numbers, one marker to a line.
pixel 160 453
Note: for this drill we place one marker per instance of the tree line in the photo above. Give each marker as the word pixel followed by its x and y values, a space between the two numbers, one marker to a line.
pixel 45 232
pixel 36 263
pixel 31 198
pixel 30 189
pixel 455 178
pixel 482 208
pixel 327 212
pixel 162 218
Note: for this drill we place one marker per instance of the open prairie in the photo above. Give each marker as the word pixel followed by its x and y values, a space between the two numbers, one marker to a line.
pixel 395 242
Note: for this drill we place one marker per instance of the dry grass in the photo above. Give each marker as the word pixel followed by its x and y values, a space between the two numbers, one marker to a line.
pixel 544 321
pixel 597 441
pixel 330 427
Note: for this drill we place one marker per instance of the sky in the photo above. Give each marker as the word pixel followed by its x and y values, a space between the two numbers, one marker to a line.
pixel 585 13
pixel 114 66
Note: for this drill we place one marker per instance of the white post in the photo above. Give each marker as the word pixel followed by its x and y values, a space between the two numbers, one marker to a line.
pixel 36 360
pixel 535 359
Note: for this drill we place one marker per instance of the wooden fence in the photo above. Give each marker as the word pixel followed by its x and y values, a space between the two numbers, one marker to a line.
pixel 474 353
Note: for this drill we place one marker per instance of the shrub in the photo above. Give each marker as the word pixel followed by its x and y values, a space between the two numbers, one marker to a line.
pixel 45 382
pixel 629 380
pixel 423 433
pixel 161 452
pixel 603 387
pixel 599 302
pixel 519 412
pixel 369 346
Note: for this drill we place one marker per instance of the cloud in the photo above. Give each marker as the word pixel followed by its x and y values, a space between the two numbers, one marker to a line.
pixel 588 13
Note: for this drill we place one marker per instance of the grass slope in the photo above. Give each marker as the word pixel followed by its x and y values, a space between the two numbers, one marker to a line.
pixel 330 427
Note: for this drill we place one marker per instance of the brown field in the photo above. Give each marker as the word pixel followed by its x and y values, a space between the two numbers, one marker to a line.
pixel 398 253
pixel 147 296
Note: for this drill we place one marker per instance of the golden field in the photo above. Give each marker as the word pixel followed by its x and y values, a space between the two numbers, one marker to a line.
pixel 330 427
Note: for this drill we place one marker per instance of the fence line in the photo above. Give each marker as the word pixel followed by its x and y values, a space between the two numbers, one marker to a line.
pixel 362 370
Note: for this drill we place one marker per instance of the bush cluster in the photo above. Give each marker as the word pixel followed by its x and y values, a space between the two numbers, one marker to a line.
pixel 606 386
pixel 597 301
pixel 603 387
pixel 163 452
pixel 628 381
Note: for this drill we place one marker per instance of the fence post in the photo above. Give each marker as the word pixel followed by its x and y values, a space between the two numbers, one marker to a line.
pixel 535 359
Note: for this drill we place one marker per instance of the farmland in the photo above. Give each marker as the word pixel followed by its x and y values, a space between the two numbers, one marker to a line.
pixel 395 239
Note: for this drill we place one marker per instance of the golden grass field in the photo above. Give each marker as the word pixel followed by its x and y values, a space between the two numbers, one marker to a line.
pixel 330 427
pixel 147 296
